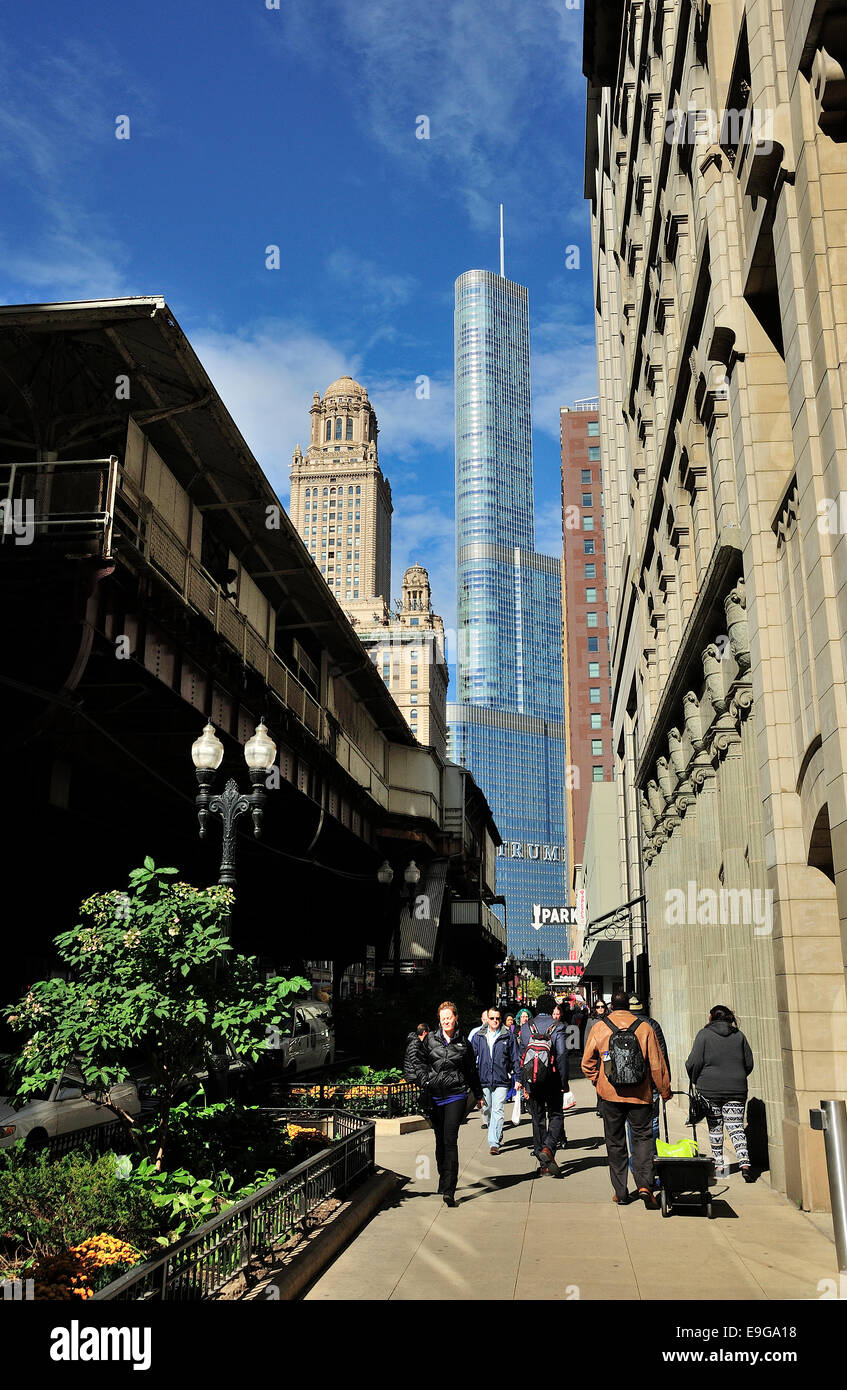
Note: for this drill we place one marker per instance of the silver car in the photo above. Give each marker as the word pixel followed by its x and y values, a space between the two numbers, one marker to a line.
pixel 66 1106
pixel 311 1044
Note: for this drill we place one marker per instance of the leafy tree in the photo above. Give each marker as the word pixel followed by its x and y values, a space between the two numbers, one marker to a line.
pixel 150 972
pixel 535 987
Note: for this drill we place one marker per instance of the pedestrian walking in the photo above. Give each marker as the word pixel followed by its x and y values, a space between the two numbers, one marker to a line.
pixel 636 1007
pixel 445 1069
pixel 622 1058
pixel 719 1064
pixel 413 1042
pixel 544 1073
pixel 521 1017
pixel 599 1010
pixel 496 1055
pixel 479 1027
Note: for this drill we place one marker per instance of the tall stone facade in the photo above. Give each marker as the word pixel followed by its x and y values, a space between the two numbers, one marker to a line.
pixel 717 173
pixel 407 648
pixel 340 501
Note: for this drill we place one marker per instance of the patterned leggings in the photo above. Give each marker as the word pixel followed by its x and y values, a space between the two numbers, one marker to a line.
pixel 731 1114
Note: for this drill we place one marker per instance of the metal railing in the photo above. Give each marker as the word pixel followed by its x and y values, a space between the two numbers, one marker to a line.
pixel 60 499
pixel 145 529
pixel 198 1266
pixel 97 1139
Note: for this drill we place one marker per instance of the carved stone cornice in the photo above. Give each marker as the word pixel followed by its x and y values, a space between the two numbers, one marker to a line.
pixel 741 701
pixel 702 772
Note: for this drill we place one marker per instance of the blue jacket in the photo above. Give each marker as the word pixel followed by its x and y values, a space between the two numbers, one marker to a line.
pixel 543 1022
pixel 500 1067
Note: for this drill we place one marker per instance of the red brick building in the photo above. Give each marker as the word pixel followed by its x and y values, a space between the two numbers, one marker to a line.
pixel 585 631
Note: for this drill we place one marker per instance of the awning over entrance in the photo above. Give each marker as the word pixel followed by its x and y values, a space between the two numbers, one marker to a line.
pixel 606 959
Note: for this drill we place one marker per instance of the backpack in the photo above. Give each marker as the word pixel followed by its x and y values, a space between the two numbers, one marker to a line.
pixel 625 1064
pixel 537 1060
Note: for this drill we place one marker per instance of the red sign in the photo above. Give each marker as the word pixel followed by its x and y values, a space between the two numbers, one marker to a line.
pixel 568 970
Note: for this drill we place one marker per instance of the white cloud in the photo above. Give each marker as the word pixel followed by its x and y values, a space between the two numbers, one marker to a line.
pixel 564 358
pixel 267 376
pixel 489 74
pixel 57 117
pixel 371 283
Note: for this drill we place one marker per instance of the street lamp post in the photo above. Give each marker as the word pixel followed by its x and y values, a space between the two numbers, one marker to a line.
pixel 411 877
pixel 207 754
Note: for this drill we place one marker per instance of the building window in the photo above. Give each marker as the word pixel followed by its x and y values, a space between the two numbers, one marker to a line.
pixel 349 430
pixel 594 669
pixel 596 721
pixel 594 428
pixel 586 476
pixel 596 774
pixel 338 428
pixel 413 685
pixel 587 499
pixel 597 748
pixel 414 670
pixel 413 699
pixel 588 547
pixel 591 620
pixel 594 644
pixel 358 490
pixel 591 596
pixel 591 571
pixel 594 695
pixel 588 523
pixel 328 433
pixel 414 622
pixel 594 453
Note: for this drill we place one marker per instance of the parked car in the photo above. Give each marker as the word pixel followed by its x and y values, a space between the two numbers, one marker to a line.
pixel 311 1044
pixel 65 1106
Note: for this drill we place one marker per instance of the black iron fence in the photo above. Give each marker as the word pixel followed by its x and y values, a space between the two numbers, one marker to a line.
pixel 389 1100
pixel 198 1266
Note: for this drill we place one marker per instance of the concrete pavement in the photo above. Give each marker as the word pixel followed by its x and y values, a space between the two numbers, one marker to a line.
pixel 517 1236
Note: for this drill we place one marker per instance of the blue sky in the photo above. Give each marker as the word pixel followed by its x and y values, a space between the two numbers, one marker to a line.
pixel 295 127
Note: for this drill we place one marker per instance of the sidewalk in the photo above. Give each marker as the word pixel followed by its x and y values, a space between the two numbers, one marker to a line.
pixel 515 1236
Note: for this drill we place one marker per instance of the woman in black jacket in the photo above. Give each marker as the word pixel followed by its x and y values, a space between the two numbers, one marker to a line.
pixel 445 1065
pixel 719 1064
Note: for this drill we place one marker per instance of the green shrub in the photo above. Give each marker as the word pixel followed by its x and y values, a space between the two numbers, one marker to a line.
pixel 53 1204
pixel 224 1137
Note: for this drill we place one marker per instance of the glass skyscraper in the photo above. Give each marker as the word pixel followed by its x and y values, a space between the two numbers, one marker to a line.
pixel 507 725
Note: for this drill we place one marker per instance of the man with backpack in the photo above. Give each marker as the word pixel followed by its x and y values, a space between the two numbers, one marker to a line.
pixel 543 1072
pixel 623 1060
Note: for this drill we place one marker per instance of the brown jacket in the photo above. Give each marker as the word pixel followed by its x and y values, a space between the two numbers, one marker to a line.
pixel 597 1043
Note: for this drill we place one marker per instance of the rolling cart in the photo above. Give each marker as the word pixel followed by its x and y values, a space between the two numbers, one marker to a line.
pixel 682 1177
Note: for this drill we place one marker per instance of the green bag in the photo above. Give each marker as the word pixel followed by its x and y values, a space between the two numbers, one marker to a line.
pixel 683 1148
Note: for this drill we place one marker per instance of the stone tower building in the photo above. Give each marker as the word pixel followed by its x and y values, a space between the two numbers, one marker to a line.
pixel 340 501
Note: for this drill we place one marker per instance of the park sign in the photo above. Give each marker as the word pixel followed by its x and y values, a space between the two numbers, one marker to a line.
pixel 567 972
pixel 554 916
